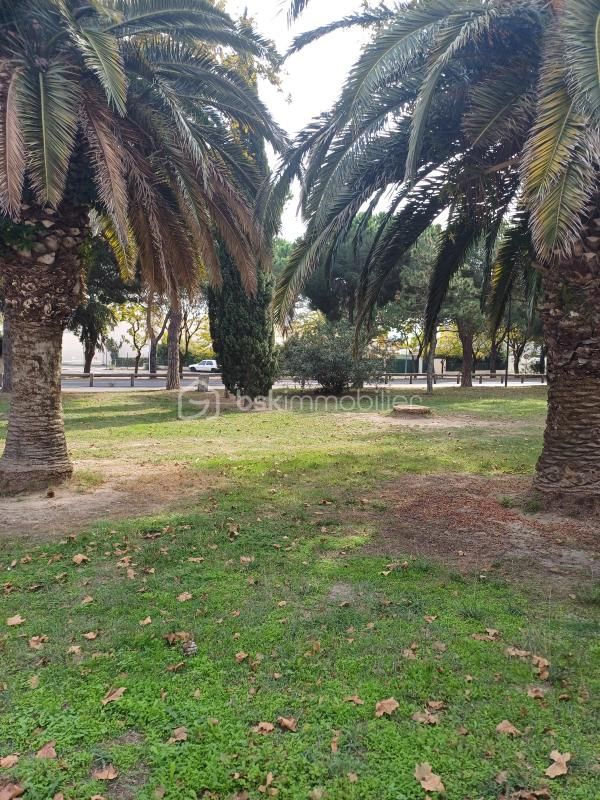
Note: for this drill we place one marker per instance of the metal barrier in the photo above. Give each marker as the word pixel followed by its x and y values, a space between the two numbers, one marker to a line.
pixel 132 378
pixel 204 378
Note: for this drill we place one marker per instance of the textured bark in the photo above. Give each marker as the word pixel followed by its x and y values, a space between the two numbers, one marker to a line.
pixel 89 351
pixel 466 335
pixel 43 285
pixel 493 358
pixel 431 365
pixel 173 375
pixel 570 462
pixel 7 354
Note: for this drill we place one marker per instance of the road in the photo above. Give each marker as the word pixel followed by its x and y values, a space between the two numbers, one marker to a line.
pixel 105 382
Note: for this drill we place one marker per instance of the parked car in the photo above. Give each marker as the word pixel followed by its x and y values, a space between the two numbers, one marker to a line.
pixel 208 365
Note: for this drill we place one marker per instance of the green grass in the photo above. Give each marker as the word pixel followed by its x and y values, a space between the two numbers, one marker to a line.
pixel 317 617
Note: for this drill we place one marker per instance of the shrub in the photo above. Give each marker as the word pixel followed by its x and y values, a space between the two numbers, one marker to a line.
pixel 325 354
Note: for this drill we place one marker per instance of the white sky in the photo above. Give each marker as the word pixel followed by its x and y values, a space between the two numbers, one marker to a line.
pixel 311 79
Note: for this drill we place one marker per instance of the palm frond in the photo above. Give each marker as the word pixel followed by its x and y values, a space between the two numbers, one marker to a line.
pixel 49 117
pixel 514 256
pixel 558 130
pixel 12 149
pixel 581 35
pixel 296 8
pixel 103 57
pixel 107 160
pixel 362 19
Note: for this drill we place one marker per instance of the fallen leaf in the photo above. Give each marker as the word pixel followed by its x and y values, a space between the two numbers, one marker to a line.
pixel 241 656
pixel 560 765
pixel 108 773
pixel 352 777
pixel 425 717
pixel 74 650
pixel 178 636
pixel 436 705
pixel 386 707
pixel 490 635
pixel 8 762
pixel 13 622
pixel 502 777
pixel 264 728
pixel 113 694
pixel 87 600
pixel 354 698
pixel 318 793
pixel 37 642
pixel 507 728
pixel 11 790
pixel 335 743
pixel 196 560
pixel 184 596
pixel 542 666
pixel 90 635
pixel 146 621
pixel 79 559
pixel 536 692
pixel 159 792
pixel 428 779
pixel 178 735
pixel 47 751
pixel 34 681
pixel 288 724
pixel 515 652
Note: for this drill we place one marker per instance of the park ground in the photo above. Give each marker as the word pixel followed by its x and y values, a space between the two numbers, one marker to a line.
pixel 322 562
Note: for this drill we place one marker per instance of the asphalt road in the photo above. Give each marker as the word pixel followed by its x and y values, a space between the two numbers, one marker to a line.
pixel 107 383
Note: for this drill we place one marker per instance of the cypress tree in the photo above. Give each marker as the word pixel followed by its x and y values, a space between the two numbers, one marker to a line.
pixel 241 328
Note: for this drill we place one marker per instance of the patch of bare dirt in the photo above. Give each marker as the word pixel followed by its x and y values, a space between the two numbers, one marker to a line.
pixel 434 421
pixel 103 490
pixel 478 524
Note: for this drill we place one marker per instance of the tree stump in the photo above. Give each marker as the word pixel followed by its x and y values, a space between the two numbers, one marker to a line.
pixel 411 411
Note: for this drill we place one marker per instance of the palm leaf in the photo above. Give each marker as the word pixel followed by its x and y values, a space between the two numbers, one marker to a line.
pixel 514 255
pixel 103 56
pixel 363 19
pixel 581 34
pixel 557 133
pixel 49 118
pixel 12 150
pixel 107 160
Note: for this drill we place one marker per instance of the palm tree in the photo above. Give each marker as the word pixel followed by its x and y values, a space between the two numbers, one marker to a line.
pixel 114 110
pixel 488 110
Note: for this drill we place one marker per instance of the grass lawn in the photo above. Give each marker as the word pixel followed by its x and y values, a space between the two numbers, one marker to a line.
pixel 272 571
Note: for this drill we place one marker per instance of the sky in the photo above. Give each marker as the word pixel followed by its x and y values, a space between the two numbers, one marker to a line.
pixel 312 79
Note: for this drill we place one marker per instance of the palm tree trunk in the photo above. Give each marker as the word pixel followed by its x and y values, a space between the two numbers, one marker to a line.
pixel 7 354
pixel 173 376
pixel 42 288
pixel 570 461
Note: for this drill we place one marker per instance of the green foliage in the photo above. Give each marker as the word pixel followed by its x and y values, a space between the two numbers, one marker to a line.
pixel 324 353
pixel 241 328
pixel 472 108
pixel 128 108
pixel 94 319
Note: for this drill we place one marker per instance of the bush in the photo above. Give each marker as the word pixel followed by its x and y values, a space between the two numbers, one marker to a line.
pixel 325 355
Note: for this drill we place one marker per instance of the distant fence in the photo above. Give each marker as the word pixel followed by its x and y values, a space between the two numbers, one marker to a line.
pixel 204 378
